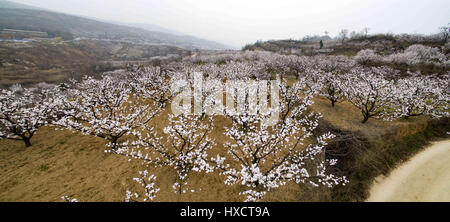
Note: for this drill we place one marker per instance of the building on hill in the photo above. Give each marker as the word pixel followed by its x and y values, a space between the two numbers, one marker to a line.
pixel 16 33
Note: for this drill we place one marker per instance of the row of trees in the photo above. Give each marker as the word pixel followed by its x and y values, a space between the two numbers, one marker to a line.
pixel 379 92
pixel 413 55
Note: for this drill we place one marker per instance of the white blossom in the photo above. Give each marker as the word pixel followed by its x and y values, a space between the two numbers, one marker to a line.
pixel 24 110
pixel 148 184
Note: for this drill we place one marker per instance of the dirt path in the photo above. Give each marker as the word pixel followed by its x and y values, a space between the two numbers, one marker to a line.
pixel 426 177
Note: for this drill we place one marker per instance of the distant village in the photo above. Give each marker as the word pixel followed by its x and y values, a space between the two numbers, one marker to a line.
pixel 18 35
pixel 21 34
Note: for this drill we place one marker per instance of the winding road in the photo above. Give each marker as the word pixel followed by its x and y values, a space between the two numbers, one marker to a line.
pixel 424 178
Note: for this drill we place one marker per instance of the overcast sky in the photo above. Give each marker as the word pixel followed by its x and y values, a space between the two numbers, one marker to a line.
pixel 237 22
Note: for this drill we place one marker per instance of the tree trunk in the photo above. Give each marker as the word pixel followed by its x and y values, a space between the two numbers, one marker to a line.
pixel 27 142
pixel 114 143
pixel 366 118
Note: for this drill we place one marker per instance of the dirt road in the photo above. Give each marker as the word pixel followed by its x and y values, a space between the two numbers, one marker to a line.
pixel 426 177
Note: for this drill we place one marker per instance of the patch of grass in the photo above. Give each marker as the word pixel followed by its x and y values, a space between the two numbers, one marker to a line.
pixel 44 167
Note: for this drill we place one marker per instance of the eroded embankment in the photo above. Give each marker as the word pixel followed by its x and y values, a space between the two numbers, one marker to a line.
pixel 364 159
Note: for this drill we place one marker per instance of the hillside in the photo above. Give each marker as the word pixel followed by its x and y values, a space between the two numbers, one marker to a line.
pixel 383 43
pixel 29 63
pixel 383 46
pixel 148 27
pixel 181 39
pixel 14 16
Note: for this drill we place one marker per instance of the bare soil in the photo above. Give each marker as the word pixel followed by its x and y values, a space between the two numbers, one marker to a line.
pixel 424 178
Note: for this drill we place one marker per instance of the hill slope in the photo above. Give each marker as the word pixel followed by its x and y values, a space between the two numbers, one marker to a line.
pixel 18 16
pixel 33 62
